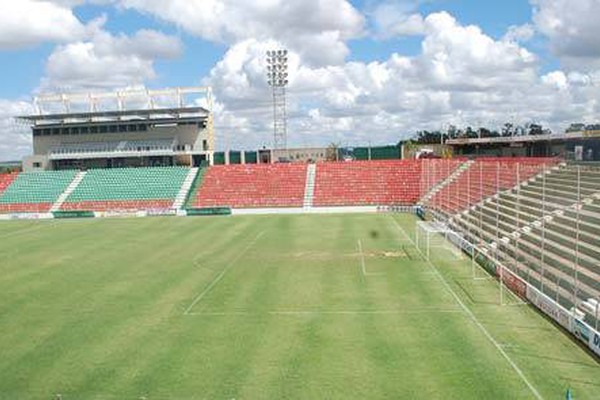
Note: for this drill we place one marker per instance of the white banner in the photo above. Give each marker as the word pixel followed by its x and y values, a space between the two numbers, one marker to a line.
pixel 549 307
pixel 31 216
pixel 587 335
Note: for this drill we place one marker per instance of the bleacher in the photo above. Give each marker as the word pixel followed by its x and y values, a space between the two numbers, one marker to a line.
pixel 6 180
pixel 252 186
pixel 483 178
pixel 34 191
pixel 435 171
pixel 546 230
pixel 362 183
pixel 127 189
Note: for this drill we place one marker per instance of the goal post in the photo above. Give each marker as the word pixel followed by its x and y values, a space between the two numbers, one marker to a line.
pixel 431 237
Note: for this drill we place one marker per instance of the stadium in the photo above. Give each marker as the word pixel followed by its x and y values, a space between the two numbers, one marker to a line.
pixel 299 199
pixel 377 278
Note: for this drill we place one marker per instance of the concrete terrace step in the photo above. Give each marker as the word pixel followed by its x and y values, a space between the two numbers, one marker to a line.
pixel 309 189
pixel 185 188
pixel 65 195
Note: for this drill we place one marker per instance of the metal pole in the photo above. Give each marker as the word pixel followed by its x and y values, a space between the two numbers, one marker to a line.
pixel 469 200
pixel 474 256
pixel 479 198
pixel 497 204
pixel 501 279
pixel 447 191
pixel 428 244
pixel 577 233
pixel 543 247
pixel 518 235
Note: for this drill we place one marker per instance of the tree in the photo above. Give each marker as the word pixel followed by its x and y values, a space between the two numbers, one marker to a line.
pixel 535 129
pixel 508 129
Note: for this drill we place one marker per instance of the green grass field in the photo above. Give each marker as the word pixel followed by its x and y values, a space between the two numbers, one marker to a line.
pixel 305 307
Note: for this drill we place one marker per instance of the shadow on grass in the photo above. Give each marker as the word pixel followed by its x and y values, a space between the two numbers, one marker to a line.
pixel 529 354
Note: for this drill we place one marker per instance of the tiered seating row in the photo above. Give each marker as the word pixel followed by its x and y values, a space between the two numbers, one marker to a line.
pixel 6 180
pixel 484 178
pixel 35 191
pixel 434 171
pixel 360 183
pixel 557 238
pixel 127 189
pixel 248 186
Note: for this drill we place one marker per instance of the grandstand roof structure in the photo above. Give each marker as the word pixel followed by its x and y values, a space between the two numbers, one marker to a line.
pixel 172 126
pixel 525 138
pixel 189 113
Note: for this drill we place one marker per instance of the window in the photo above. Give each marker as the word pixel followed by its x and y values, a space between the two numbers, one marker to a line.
pixel 93 129
pixel 37 132
pixel 46 132
pixel 37 165
pixel 85 130
pixel 143 127
pixel 204 145
pixel 122 128
pixel 56 131
pixel 103 129
pixel 112 128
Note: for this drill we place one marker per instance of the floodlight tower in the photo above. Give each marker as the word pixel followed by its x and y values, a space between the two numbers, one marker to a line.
pixel 277 74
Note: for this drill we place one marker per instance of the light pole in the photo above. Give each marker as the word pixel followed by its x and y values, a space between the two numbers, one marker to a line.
pixel 277 78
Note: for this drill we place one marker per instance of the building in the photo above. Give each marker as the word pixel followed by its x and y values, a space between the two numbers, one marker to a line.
pixel 134 131
pixel 578 146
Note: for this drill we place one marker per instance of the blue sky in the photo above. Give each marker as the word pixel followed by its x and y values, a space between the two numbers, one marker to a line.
pixel 370 70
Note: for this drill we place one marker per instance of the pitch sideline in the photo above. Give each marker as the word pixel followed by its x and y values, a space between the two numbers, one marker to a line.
pixel 473 318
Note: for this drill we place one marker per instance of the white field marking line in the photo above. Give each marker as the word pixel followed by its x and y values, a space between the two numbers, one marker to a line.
pixel 362 262
pixel 473 318
pixel 338 312
pixel 222 274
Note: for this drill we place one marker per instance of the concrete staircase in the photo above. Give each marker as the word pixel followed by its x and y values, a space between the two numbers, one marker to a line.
pixel 72 186
pixel 453 176
pixel 185 188
pixel 309 190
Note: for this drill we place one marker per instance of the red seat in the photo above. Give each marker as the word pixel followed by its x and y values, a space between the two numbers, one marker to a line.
pixel 484 178
pixel 252 186
pixel 355 183
pixel 6 180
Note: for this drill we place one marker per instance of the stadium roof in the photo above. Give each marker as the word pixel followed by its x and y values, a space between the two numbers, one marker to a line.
pixel 124 115
pixel 524 139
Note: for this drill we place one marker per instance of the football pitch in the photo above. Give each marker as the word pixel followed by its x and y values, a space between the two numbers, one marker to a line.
pixel 265 307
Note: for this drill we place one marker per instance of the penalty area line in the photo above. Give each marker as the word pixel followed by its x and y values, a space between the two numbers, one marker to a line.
pixel 222 274
pixel 473 318
pixel 330 312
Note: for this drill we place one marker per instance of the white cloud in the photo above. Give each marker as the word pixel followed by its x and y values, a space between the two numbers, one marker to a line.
pixel 396 18
pixel 571 27
pixel 519 33
pixel 15 138
pixel 317 29
pixel 462 76
pixel 109 61
pixel 29 22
